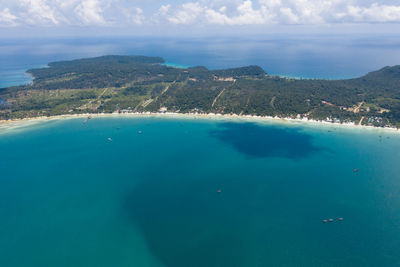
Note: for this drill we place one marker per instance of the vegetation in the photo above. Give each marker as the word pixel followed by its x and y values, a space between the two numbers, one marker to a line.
pixel 139 84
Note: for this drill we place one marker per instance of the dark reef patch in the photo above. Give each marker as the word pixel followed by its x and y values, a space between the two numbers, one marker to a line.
pixel 259 141
pixel 186 223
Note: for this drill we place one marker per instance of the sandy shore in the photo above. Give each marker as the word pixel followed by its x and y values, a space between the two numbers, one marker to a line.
pixel 22 123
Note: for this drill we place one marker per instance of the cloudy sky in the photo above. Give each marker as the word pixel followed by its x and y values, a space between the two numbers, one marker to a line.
pixel 164 15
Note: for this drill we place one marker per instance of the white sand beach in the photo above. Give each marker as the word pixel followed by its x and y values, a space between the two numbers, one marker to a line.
pixel 19 124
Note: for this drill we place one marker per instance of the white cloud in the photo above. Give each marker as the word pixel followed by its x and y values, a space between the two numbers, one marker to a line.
pixel 199 12
pixel 134 15
pixel 193 12
pixel 248 15
pixel 38 11
pixel 217 17
pixel 90 12
pixel 375 13
pixel 65 4
pixel 187 13
pixel 6 18
pixel 252 12
pixel 289 16
pixel 160 15
pixel 163 10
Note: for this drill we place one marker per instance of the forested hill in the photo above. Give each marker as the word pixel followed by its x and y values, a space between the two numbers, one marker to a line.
pixel 138 84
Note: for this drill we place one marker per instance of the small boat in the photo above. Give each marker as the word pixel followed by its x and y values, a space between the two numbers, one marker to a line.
pixel 219 191
pixel 109 139
pixel 355 170
pixel 88 118
pixel 330 220
pixel 324 221
pixel 140 132
pixel 340 219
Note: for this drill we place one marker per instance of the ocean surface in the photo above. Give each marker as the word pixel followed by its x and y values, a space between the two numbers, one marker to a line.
pixel 331 57
pixel 71 197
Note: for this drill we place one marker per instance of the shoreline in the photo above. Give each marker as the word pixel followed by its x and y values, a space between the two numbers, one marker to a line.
pixel 250 118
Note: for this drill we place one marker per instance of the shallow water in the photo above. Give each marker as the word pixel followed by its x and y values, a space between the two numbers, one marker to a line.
pixel 70 197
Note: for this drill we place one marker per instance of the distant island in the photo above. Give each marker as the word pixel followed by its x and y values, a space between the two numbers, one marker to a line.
pixel 130 84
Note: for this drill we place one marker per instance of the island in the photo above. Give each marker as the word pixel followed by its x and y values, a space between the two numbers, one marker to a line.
pixel 139 84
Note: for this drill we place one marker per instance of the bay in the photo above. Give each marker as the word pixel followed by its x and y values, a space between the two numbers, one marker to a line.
pixel 197 192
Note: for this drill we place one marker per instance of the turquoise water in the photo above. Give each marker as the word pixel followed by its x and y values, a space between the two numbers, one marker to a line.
pixel 176 65
pixel 71 197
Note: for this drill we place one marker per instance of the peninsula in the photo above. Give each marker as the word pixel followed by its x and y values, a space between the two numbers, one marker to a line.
pixel 129 84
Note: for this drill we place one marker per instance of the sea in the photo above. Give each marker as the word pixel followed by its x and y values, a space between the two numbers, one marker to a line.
pixel 196 192
pixel 296 56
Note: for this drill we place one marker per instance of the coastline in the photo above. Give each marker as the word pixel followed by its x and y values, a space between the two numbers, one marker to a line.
pixel 17 123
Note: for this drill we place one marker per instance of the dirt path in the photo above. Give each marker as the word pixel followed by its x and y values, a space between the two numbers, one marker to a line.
pixel 87 105
pixel 147 102
pixel 272 102
pixel 357 109
pixel 362 118
pixel 165 90
pixel 216 98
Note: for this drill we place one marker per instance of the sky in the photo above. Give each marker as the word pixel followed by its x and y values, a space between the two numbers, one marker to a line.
pixel 41 17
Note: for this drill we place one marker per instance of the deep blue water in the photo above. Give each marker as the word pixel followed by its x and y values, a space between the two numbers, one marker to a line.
pixel 331 57
pixel 70 197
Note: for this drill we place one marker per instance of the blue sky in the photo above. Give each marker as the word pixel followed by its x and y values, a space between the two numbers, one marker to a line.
pixel 206 16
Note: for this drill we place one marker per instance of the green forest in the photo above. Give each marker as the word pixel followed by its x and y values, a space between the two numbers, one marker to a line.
pixel 139 84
